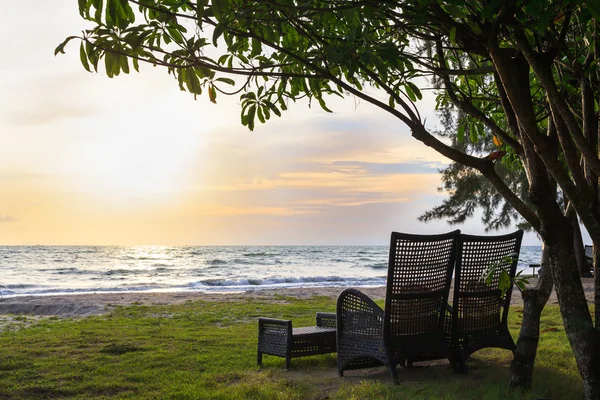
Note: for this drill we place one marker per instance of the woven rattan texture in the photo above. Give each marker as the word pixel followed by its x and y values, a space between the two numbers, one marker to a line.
pixel 480 310
pixel 359 334
pixel 412 326
pixel 278 337
pixel 419 266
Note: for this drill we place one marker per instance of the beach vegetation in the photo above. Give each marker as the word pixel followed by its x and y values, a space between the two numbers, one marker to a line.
pixel 207 350
pixel 525 76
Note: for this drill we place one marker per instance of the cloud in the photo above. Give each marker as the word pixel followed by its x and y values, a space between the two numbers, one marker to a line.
pixel 415 167
pixel 39 114
pixel 7 218
pixel 245 210
pixel 47 99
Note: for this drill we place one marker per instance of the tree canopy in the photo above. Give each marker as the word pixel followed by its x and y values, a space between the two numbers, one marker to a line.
pixel 524 75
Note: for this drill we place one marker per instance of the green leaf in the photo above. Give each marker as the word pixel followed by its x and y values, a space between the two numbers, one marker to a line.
pixel 473 132
pixel 503 281
pixel 273 108
pixel 228 81
pixel 175 35
pixel 111 13
pixel 99 7
pixel 455 11
pixel 200 4
pixel 461 132
pixel 219 29
pixel 218 7
pixel 491 9
pixel 116 66
pixel 251 115
pixel 410 93
pixel 490 274
pixel 124 64
pixel 82 7
pixel 256 47
pixel 594 8
pixel 83 58
pixel 453 34
pixel 415 90
pixel 323 105
pixel 261 116
pixel 120 11
pixel 530 37
pixel 108 64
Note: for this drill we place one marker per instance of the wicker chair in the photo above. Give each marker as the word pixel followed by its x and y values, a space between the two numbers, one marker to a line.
pixel 479 310
pixel 411 327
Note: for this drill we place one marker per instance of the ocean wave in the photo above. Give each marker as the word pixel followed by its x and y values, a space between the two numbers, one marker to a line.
pixel 45 291
pixel 260 254
pixel 120 271
pixel 242 261
pixel 216 261
pixel 161 265
pixel 18 286
pixel 209 269
pixel 162 269
pixel 289 282
pixel 63 271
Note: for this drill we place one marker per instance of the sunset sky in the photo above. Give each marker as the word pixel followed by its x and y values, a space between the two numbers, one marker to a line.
pixel 85 159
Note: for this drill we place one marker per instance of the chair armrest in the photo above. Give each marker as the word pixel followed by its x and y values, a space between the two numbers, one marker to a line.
pixel 274 325
pixel 327 320
pixel 358 313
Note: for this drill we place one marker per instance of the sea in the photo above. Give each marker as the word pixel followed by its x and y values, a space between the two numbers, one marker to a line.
pixel 49 270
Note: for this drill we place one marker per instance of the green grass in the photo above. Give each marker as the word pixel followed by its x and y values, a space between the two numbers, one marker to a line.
pixel 207 350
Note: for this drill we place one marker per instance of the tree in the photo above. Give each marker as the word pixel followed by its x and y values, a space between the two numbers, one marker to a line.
pixel 469 191
pixel 540 58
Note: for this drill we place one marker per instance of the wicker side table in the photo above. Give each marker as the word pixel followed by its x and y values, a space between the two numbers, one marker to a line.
pixel 277 337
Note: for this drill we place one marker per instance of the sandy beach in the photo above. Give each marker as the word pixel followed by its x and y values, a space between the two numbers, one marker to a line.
pixel 81 305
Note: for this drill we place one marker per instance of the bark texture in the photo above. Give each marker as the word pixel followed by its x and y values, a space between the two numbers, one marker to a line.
pixel 534 300
pixel 583 337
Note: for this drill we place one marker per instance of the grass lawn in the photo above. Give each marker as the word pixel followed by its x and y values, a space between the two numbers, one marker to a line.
pixel 207 350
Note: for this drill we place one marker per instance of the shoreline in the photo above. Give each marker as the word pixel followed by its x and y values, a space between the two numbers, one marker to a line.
pixel 83 305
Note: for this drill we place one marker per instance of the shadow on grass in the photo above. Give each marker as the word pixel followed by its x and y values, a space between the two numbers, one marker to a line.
pixel 117 349
pixel 488 378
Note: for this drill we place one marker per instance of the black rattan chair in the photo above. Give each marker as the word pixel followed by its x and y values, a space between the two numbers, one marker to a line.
pixel 479 310
pixel 411 327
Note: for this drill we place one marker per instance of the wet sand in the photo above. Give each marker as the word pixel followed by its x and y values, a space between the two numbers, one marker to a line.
pixel 81 305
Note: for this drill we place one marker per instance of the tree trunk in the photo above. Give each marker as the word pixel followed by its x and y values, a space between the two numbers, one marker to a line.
pixel 583 338
pixel 582 264
pixel 534 300
pixel 597 287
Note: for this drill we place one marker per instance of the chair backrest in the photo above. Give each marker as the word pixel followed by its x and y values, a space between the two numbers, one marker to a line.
pixel 478 305
pixel 418 282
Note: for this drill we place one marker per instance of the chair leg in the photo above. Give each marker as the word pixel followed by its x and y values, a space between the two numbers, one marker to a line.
pixel 259 359
pixel 453 362
pixel 461 363
pixel 288 362
pixel 391 363
pixel 393 373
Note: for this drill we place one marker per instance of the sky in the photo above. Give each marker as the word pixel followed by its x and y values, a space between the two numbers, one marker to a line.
pixel 88 160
